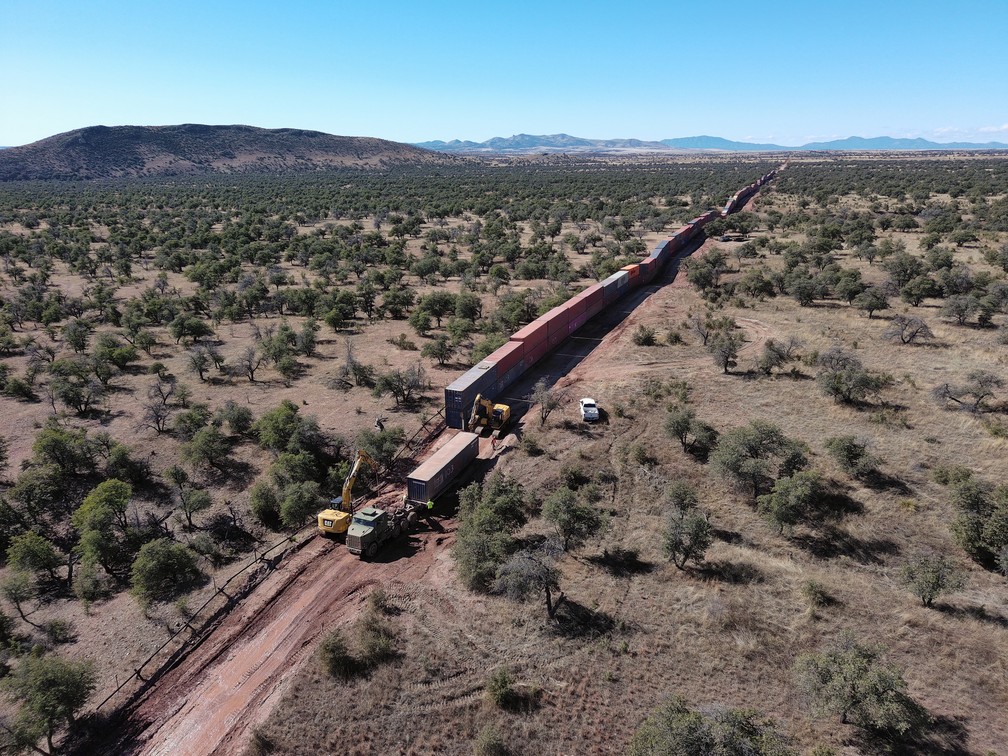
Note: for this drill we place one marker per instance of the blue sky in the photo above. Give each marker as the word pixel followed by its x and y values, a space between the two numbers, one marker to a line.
pixel 778 71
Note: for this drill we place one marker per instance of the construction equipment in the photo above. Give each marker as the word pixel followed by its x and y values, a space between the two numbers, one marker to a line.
pixel 332 522
pixel 488 414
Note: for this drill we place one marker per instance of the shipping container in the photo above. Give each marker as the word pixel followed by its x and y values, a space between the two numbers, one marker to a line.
pixel 434 476
pixel 557 319
pixel 577 322
pixel 633 271
pixel 535 352
pixel 506 379
pixel 534 331
pixel 461 393
pixel 507 356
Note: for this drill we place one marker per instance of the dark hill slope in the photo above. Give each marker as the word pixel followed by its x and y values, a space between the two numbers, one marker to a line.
pixel 99 152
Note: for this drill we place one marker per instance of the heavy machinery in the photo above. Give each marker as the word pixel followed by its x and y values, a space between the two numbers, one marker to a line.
pixel 333 522
pixel 487 414
pixel 371 527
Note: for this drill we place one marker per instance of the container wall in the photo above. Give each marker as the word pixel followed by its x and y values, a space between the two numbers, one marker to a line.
pixel 434 476
pixel 507 356
pixel 535 352
pixel 534 331
pixel 461 394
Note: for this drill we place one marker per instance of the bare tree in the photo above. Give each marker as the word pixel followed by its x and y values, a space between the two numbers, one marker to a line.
pixel 249 362
pixel 530 571
pixel 547 397
pixel 907 329
pixel 979 387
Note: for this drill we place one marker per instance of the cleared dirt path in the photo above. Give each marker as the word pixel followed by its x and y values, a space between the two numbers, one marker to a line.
pixel 227 686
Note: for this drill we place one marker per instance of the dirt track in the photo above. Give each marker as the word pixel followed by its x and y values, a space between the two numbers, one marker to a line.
pixel 228 685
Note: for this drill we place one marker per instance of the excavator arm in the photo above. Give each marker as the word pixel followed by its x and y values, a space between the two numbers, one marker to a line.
pixel 348 483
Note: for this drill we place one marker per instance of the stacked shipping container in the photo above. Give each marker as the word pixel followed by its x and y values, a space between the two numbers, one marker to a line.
pixel 534 341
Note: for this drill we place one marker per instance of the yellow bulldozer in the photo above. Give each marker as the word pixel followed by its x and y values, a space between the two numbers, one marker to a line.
pixel 486 414
pixel 334 522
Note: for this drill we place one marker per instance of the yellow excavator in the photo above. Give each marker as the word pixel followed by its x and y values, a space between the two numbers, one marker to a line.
pixel 334 522
pixel 487 414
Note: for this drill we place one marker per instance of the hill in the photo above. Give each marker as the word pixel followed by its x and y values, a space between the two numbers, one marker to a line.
pixel 526 143
pixel 99 152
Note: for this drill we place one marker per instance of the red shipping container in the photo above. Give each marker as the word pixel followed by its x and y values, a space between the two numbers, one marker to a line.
pixel 557 319
pixel 596 308
pixel 535 352
pixel 633 270
pixel 534 331
pixel 575 307
pixel 507 356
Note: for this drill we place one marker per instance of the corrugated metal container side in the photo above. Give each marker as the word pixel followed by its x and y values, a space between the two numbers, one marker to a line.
pixel 507 356
pixel 557 337
pixel 535 352
pixel 460 395
pixel 507 379
pixel 632 270
pixel 595 308
pixel 614 280
pixel 577 322
pixel 592 294
pixel 434 475
pixel 659 248
pixel 534 331
pixel 557 319
pixel 575 307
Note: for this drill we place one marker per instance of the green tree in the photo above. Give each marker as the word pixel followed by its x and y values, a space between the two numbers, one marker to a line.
pixel 33 553
pixel 300 500
pixel 439 349
pixel 676 730
pixel 851 682
pixel 757 454
pixel 928 576
pixel 575 520
pixel 51 692
pixel 791 500
pixel 162 570
pixel 871 300
pixel 208 446
pixel 265 503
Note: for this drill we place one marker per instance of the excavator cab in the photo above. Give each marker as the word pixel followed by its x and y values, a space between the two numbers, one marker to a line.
pixel 335 521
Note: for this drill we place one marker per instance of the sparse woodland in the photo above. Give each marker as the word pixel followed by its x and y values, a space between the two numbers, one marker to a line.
pixel 798 488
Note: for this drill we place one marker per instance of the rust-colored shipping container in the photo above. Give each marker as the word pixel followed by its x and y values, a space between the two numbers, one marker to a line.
pixel 633 270
pixel 535 331
pixel 507 356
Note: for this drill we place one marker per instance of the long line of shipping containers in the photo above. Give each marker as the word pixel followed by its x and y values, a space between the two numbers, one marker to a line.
pixel 492 375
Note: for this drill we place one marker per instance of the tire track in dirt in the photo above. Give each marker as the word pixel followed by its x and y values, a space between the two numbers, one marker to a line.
pixel 230 684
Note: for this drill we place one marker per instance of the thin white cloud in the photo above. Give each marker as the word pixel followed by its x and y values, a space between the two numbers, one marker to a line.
pixel 993 129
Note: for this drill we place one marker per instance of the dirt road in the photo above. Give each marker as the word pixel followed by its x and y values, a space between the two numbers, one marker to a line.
pixel 212 701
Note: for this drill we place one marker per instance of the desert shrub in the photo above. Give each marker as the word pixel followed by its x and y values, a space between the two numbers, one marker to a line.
pixel 851 453
pixel 499 688
pixel 336 656
pixel 489 742
pixel 676 729
pixel 645 336
pixel 530 445
pixel 816 594
pixel 377 641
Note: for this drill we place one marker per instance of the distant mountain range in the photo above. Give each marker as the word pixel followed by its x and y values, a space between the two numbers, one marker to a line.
pixel 526 143
pixel 99 152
